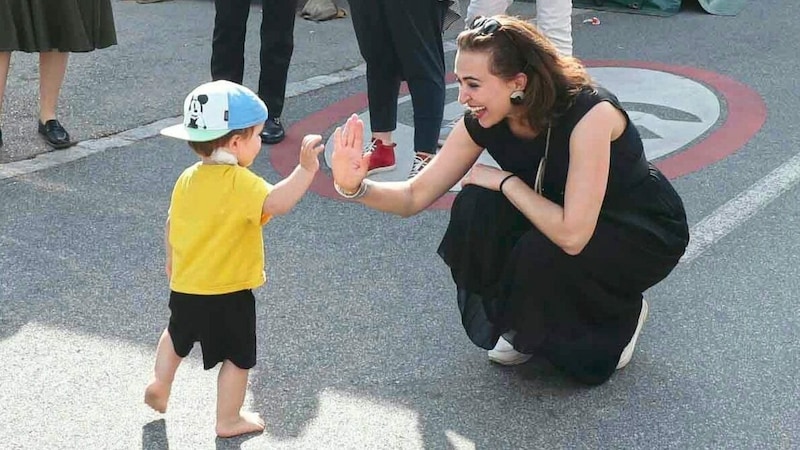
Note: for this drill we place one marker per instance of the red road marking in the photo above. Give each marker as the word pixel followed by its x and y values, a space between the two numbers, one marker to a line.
pixel 746 115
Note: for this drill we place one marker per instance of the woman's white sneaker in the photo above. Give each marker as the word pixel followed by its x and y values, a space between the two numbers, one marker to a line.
pixel 504 353
pixel 627 352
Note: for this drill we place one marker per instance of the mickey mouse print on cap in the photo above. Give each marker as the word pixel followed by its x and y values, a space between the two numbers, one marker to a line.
pixel 214 109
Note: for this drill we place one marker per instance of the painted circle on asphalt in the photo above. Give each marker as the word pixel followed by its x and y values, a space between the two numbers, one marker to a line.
pixel 688 118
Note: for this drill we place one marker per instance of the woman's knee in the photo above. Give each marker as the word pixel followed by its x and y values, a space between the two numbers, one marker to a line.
pixel 540 247
pixel 472 196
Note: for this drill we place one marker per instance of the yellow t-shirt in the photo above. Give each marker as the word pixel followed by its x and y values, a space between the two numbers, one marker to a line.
pixel 215 230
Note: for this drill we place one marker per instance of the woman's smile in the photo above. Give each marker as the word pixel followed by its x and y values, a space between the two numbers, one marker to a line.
pixel 477 111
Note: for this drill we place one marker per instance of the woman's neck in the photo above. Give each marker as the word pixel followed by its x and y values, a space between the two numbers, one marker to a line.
pixel 520 128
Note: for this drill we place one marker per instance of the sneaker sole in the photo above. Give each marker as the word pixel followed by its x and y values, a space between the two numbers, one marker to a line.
pixel 381 169
pixel 521 358
pixel 59 146
pixel 272 141
pixel 627 352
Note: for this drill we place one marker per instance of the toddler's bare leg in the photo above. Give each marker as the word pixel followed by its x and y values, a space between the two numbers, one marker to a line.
pixel 231 420
pixel 167 361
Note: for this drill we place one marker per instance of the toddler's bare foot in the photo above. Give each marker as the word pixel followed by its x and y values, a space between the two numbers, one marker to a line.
pixel 156 395
pixel 248 422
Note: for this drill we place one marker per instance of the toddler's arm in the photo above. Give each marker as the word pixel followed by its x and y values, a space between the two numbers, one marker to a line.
pixel 288 191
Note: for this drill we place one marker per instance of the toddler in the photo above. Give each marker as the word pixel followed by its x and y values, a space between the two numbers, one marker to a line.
pixel 215 248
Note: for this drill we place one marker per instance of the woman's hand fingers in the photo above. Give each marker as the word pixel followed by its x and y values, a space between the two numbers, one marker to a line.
pixel 348 164
pixel 354 133
pixel 337 140
pixel 467 179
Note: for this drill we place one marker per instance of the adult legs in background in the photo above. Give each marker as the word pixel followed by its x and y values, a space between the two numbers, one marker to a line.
pixel 417 35
pixel 422 57
pixel 5 62
pixel 52 67
pixel 554 19
pixel 227 44
pixel 485 8
pixel 277 45
pixel 384 75
pixel 405 44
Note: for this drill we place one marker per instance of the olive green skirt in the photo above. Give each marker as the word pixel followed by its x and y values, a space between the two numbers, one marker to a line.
pixel 56 25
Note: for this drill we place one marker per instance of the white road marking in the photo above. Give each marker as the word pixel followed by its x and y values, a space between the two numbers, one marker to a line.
pixel 739 209
pixel 668 91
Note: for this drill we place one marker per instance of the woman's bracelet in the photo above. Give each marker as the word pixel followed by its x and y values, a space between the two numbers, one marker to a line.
pixel 504 182
pixel 360 192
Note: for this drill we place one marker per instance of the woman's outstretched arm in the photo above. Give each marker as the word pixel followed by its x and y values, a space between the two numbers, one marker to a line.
pixel 404 198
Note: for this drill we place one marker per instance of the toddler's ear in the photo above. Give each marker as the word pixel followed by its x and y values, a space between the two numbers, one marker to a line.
pixel 234 143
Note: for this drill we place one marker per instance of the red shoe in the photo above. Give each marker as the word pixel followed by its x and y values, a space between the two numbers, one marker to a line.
pixel 382 158
pixel 420 161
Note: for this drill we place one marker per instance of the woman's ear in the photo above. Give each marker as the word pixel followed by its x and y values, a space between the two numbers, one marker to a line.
pixel 520 81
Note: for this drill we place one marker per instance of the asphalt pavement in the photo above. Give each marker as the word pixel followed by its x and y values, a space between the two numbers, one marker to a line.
pixel 360 344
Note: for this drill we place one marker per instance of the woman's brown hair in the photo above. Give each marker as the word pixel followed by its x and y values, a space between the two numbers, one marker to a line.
pixel 515 46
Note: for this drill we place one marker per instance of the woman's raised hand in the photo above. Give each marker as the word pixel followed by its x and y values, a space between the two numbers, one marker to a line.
pixel 348 162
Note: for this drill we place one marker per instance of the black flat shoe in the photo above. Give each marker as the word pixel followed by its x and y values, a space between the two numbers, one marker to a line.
pixel 54 134
pixel 273 131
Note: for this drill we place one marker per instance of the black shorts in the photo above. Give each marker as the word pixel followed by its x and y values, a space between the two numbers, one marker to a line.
pixel 225 326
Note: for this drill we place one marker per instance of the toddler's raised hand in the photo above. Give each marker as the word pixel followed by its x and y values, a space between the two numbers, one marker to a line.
pixel 309 152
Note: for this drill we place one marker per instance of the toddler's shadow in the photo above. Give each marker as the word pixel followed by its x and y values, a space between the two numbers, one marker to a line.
pixel 154 435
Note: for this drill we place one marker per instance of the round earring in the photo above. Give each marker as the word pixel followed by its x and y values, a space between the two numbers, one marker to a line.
pixel 517 97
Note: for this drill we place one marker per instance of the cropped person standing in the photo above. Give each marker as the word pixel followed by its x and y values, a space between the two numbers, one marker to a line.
pixel 402 40
pixel 52 29
pixel 277 45
pixel 553 18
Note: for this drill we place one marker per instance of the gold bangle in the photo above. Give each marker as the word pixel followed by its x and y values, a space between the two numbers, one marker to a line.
pixel 360 192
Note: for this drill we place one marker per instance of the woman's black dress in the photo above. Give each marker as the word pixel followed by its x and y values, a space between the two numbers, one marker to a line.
pixel 579 311
pixel 56 25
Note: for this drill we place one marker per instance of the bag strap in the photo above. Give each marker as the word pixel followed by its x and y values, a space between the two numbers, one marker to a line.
pixel 538 184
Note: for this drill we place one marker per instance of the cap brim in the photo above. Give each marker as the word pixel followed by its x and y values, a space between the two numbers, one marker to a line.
pixel 190 134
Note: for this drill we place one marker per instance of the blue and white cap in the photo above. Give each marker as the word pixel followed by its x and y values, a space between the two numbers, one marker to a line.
pixel 214 109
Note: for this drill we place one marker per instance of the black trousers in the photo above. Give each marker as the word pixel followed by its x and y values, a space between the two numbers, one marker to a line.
pixel 277 44
pixel 402 40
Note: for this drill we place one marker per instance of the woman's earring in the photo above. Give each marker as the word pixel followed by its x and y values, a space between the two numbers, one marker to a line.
pixel 517 97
